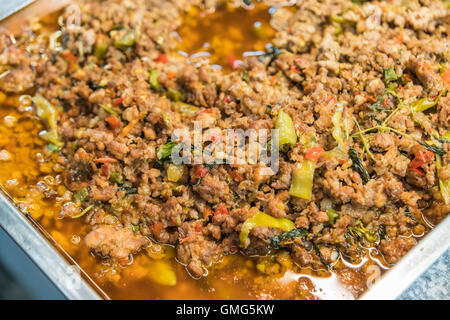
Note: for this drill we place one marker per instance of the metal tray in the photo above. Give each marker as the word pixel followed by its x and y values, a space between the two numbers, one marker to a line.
pixel 57 265
pixel 74 283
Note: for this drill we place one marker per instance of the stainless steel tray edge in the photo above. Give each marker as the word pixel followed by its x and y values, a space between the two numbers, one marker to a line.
pixel 412 265
pixel 7 8
pixel 66 277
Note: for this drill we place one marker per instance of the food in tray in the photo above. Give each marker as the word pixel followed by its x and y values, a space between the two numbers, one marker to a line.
pixel 116 118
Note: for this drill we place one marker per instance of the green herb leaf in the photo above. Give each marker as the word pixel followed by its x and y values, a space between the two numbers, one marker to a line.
pixel 128 190
pixel 432 148
pixel 321 257
pixel 358 166
pixel 126 41
pixel 164 151
pixel 292 234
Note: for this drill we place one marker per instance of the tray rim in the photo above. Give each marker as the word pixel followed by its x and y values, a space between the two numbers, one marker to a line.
pixel 28 235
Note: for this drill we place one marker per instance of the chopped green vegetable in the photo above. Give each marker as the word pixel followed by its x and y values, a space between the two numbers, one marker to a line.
pixel 116 177
pixel 100 50
pixel 340 127
pixel 154 79
pixel 339 19
pixel 126 41
pixel 358 166
pixel 335 153
pixel 47 112
pixel 81 195
pixel 75 145
pixel 187 108
pixel 163 152
pixel 444 185
pixel 292 234
pixel 83 212
pixel 285 125
pixel 109 110
pixel 423 104
pixel 174 95
pixel 262 219
pixel 332 216
pixel 302 181
pixel 245 76
pixel 390 75
pixel 53 148
pixel 359 231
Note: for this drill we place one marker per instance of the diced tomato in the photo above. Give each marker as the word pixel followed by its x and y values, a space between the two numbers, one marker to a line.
pixel 216 136
pixel 233 62
pixel 162 58
pixel 171 74
pixel 298 125
pixel 421 158
pixel 207 111
pixel 314 153
pixel 227 99
pixel 113 122
pixel 67 55
pixel 294 69
pixel 446 79
pixel 332 101
pixel 118 101
pixel 273 79
pixel 200 171
pixel 419 171
pixel 298 60
pixel 236 176
pixel 222 209
pixel 125 261
pixel 198 227
pixel 370 98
